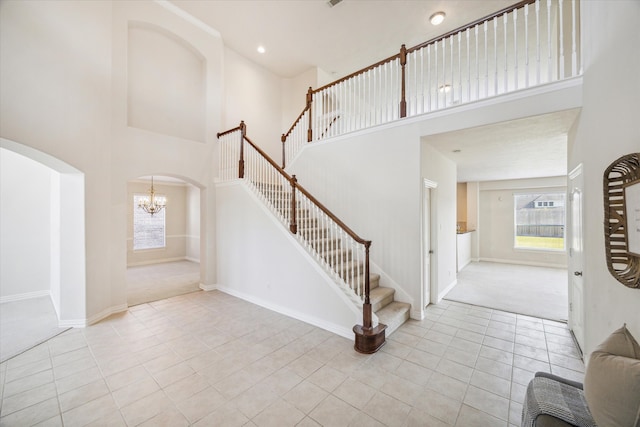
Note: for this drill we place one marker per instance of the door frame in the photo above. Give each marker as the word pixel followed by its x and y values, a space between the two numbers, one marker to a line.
pixel 576 307
pixel 427 222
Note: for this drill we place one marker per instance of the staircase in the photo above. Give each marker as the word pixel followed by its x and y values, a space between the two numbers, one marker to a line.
pixel 338 261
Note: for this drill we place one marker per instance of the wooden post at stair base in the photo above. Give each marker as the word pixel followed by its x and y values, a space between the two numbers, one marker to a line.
pixel 309 101
pixel 243 132
pixel 283 138
pixel 293 224
pixel 368 339
pixel 403 96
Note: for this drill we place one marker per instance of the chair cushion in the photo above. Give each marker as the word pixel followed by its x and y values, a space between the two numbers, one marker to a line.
pixel 612 381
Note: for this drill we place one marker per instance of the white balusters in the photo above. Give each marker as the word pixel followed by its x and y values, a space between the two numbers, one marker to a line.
pixel 485 60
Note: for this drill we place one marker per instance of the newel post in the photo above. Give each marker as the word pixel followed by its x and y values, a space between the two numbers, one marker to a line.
pixel 369 339
pixel 293 224
pixel 243 132
pixel 309 102
pixel 403 97
pixel 283 139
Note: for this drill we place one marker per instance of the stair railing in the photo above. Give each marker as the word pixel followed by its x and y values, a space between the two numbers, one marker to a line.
pixel 528 44
pixel 343 253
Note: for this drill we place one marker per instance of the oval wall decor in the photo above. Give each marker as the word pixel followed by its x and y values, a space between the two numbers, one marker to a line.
pixel 622 219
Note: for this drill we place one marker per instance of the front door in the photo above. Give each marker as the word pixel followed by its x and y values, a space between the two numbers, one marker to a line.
pixel 576 257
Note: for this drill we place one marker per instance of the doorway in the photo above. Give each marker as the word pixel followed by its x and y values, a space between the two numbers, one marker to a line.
pixel 576 261
pixel 427 238
pixel 163 247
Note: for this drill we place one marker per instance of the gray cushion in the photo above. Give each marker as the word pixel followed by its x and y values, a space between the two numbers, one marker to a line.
pixel 612 381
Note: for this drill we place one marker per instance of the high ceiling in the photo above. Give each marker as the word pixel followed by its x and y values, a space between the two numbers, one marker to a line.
pixel 301 34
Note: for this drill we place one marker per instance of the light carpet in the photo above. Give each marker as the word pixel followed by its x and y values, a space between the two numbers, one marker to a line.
pixel 534 291
pixel 25 324
pixel 154 282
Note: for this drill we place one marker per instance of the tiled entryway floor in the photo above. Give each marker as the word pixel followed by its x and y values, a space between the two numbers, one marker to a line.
pixel 209 359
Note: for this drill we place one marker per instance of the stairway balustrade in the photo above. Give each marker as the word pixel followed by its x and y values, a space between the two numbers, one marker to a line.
pixel 343 254
pixel 531 43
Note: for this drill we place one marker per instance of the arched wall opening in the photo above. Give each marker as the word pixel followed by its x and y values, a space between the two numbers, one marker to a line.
pixel 43 231
pixel 164 250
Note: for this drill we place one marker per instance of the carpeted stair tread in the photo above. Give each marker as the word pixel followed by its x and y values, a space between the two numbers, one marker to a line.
pixel 393 315
pixel 380 297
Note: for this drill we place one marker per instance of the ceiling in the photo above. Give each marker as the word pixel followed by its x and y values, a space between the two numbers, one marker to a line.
pixel 533 147
pixel 301 34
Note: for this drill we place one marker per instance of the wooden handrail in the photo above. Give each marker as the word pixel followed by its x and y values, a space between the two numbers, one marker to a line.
pixel 286 135
pixel 226 132
pixel 357 73
pixel 313 200
pixel 472 24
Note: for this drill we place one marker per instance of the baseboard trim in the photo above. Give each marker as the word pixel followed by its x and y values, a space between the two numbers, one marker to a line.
pixel 208 287
pixel 102 315
pixel 27 295
pixel 197 261
pixel 446 290
pixel 518 262
pixel 320 323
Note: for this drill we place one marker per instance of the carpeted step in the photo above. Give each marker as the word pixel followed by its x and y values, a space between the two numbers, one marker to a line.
pixel 394 315
pixel 380 297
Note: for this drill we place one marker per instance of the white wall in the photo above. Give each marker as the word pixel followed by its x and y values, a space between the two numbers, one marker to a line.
pixel 294 96
pixel 260 261
pixel 373 187
pixel 607 128
pixel 25 226
pixel 193 224
pixel 64 84
pixel 253 94
pixel 496 225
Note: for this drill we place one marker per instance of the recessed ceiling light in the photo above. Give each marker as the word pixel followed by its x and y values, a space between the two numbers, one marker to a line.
pixel 457 150
pixel 437 18
pixel 445 88
pixel 261 49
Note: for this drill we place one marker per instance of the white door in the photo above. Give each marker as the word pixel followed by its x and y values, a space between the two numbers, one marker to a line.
pixel 576 257
pixel 426 241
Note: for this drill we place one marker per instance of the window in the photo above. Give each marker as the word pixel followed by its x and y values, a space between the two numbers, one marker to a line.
pixel 539 221
pixel 148 230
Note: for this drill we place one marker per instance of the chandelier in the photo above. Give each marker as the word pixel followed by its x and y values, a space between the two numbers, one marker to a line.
pixel 152 204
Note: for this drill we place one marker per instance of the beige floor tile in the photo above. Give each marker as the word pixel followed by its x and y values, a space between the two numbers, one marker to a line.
pixel 169 418
pixel 438 406
pixel 414 373
pixel 327 378
pixel 226 415
pixel 334 412
pixel 279 414
pixel 306 396
pixel 491 383
pixel 146 408
pixel 487 402
pixel 81 395
pixel 401 389
pixel 447 386
pixel 305 365
pixel 515 413
pixel 94 410
pixel 471 417
pixel 454 370
pixel 126 377
pixel 201 404
pixel 186 387
pixel 494 367
pixel 29 368
pixel 355 393
pixel 387 410
pixel 28 398
pixel 282 380
pixel 28 383
pixel 255 400
pixel 135 391
pixel 78 380
pixel 31 415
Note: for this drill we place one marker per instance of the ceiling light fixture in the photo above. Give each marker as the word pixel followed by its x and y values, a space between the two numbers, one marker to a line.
pixel 437 18
pixel 261 49
pixel 445 88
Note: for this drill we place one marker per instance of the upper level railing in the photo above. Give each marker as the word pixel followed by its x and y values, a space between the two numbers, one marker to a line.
pixel 334 245
pixel 531 43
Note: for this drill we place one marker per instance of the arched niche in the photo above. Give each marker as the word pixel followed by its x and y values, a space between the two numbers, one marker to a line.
pixel 166 90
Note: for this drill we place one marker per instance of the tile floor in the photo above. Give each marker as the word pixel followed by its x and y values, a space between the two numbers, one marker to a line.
pixel 209 359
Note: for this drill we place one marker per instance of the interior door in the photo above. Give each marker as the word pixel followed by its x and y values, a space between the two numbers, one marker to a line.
pixel 576 257
pixel 427 250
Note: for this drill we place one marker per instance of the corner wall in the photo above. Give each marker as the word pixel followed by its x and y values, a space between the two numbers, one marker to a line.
pixel 607 129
